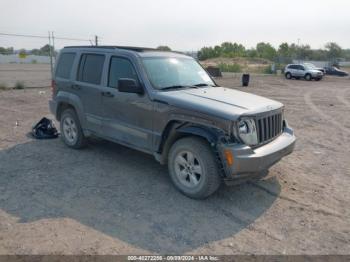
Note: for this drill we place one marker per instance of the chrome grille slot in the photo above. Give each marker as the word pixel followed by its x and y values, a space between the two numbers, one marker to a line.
pixel 268 127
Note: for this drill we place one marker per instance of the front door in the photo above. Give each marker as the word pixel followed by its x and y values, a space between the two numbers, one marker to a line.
pixel 301 71
pixel 127 116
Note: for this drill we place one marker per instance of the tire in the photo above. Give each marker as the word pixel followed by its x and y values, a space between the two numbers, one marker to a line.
pixel 198 176
pixel 71 131
pixel 308 77
pixel 288 75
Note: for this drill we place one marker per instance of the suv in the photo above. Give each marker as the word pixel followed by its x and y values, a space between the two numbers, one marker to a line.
pixel 302 71
pixel 165 104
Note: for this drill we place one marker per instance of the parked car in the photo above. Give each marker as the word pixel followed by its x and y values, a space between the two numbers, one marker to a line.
pixel 302 71
pixel 335 71
pixel 165 104
pixel 310 65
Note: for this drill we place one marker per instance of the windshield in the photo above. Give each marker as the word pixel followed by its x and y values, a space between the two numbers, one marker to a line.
pixel 168 72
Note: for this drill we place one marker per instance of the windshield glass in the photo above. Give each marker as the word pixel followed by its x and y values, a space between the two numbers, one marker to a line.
pixel 167 72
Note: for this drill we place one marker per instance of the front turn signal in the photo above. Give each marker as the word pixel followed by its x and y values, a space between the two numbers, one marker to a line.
pixel 229 157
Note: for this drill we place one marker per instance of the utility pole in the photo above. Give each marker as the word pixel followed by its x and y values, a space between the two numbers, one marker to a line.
pixel 53 45
pixel 50 53
pixel 96 40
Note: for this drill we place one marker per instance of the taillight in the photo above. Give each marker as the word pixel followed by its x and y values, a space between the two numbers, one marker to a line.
pixel 53 87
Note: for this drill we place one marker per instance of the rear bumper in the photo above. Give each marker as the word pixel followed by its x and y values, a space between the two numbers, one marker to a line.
pixel 249 162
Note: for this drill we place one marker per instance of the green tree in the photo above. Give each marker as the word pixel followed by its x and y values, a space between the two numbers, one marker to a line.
pixel 266 50
pixel 164 48
pixel 206 53
pixel 251 53
pixel 334 51
pixel 283 50
pixel 6 51
pixel 304 52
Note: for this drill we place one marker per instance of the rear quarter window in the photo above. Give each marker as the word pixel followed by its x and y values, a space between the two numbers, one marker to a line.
pixel 65 64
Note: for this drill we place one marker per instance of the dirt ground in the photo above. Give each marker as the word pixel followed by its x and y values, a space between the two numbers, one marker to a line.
pixel 30 75
pixel 108 199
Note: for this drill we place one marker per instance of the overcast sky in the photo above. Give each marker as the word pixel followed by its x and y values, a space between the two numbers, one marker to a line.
pixel 181 24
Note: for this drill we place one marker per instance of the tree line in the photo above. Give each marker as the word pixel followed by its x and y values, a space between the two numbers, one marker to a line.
pixel 43 51
pixel 285 52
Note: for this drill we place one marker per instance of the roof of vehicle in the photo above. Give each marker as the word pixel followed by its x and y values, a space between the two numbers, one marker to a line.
pixel 141 51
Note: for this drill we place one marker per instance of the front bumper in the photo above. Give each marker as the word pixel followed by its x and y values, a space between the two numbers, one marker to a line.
pixel 317 75
pixel 249 162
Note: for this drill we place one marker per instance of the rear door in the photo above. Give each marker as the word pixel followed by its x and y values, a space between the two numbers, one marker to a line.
pixel 292 70
pixel 88 87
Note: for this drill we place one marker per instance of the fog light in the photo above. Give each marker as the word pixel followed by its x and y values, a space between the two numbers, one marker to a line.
pixel 229 157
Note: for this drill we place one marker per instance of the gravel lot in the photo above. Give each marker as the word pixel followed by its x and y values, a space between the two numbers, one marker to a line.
pixel 108 199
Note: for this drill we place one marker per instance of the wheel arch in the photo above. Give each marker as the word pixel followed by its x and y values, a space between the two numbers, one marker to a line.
pixel 176 130
pixel 67 100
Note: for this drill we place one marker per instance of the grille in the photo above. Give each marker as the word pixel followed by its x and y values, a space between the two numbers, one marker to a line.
pixel 269 127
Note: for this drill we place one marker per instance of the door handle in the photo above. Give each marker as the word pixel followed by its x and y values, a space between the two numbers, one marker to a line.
pixel 107 94
pixel 75 87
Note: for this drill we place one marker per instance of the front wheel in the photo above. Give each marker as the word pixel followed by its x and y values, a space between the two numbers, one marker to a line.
pixel 308 77
pixel 193 168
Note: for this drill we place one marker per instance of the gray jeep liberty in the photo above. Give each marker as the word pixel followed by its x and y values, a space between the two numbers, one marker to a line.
pixel 165 104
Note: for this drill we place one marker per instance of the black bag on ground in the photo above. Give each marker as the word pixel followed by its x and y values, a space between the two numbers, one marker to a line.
pixel 44 129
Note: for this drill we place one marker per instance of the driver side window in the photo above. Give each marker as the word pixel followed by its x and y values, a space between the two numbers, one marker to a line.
pixel 120 68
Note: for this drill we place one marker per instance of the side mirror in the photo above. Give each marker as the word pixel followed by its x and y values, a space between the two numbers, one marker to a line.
pixel 129 85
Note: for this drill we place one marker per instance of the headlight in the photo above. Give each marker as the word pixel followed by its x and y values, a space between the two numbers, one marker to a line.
pixel 247 131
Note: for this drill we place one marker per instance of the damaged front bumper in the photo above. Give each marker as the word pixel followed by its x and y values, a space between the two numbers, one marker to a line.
pixel 252 162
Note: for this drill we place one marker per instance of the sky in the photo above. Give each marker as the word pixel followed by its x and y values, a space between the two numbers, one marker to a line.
pixel 185 25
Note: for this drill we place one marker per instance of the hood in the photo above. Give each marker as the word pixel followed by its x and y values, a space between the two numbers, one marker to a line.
pixel 315 70
pixel 219 101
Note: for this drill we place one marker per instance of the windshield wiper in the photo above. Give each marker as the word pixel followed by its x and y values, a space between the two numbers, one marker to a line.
pixel 201 84
pixel 185 86
pixel 177 87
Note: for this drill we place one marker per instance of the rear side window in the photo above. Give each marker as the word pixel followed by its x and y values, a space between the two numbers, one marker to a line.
pixel 65 64
pixel 120 68
pixel 292 67
pixel 90 68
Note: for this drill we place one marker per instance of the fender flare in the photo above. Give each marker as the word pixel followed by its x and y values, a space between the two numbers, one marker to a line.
pixel 178 130
pixel 211 136
pixel 73 101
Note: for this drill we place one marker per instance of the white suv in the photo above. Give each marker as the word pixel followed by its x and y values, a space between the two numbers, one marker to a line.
pixel 302 71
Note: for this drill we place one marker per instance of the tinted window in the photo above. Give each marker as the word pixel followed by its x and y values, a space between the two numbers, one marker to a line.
pixel 120 68
pixel 90 68
pixel 300 67
pixel 65 64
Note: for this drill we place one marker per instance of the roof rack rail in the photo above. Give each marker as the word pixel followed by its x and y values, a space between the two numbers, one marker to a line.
pixel 132 48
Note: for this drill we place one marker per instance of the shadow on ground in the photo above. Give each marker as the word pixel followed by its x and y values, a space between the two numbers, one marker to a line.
pixel 124 194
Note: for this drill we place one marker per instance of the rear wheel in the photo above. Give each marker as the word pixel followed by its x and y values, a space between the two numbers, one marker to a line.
pixel 71 132
pixel 308 77
pixel 193 168
pixel 288 75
